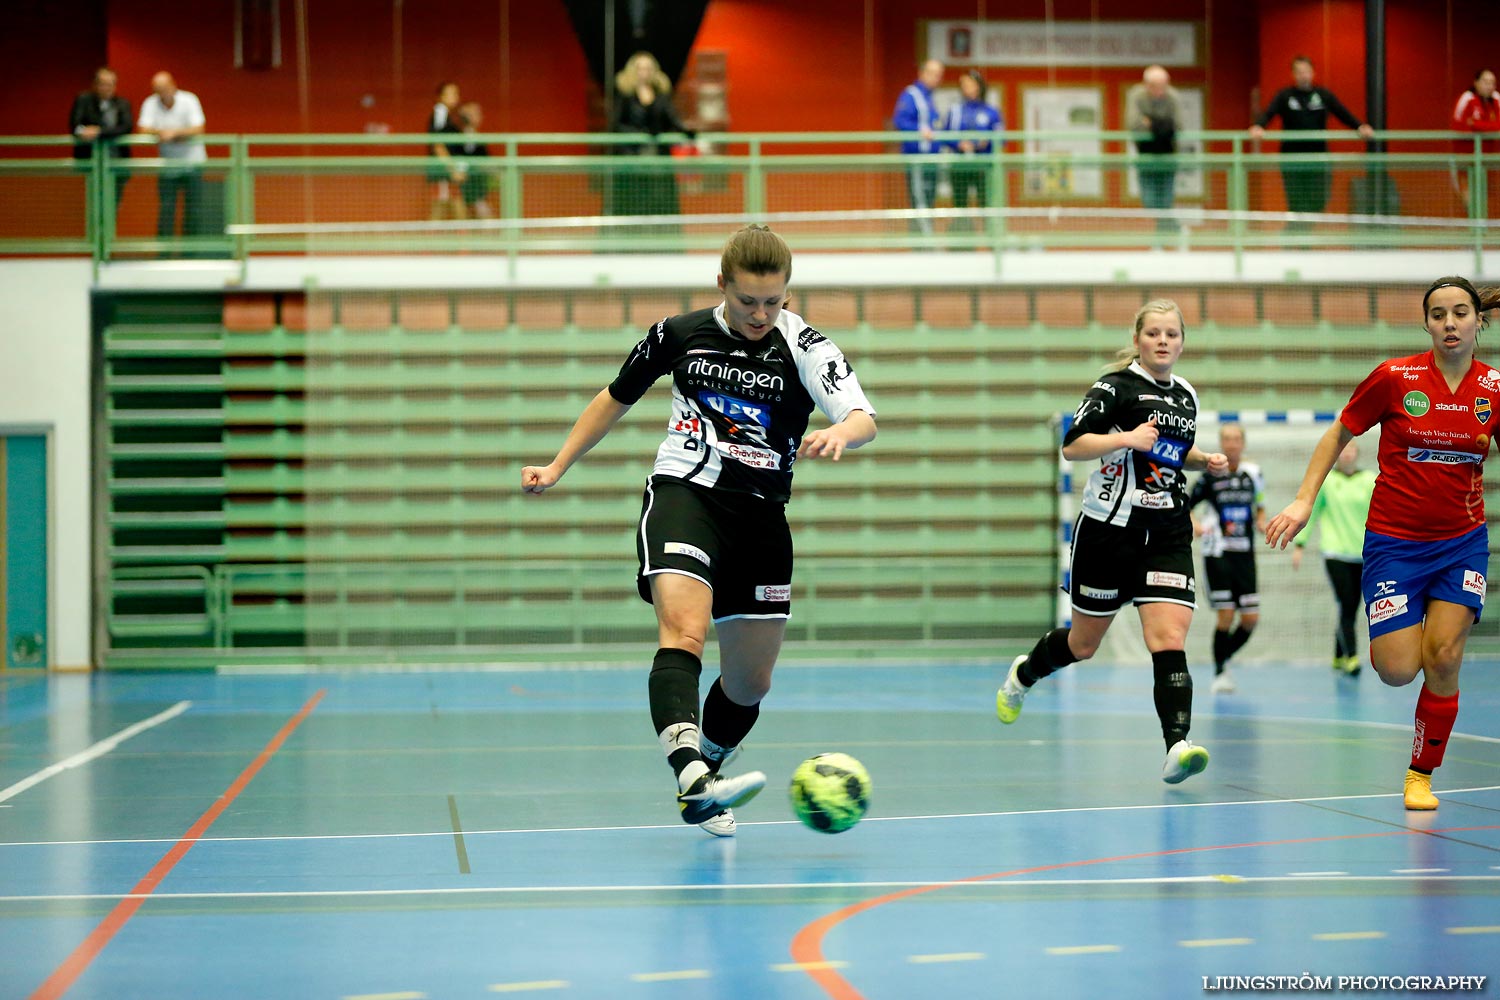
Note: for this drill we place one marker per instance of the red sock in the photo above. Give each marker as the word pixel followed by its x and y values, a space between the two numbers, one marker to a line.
pixel 1435 715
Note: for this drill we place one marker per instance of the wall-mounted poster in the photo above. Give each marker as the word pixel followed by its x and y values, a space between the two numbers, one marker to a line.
pixel 1065 43
pixel 1063 109
pixel 1189 179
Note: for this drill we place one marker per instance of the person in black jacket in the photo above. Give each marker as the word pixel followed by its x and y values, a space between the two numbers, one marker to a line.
pixel 644 104
pixel 101 115
pixel 1305 107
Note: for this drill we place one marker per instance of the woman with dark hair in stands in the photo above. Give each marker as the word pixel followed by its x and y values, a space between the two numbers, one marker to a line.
pixel 1477 110
pixel 1426 547
pixel 1133 539
pixel 713 541
pixel 444 175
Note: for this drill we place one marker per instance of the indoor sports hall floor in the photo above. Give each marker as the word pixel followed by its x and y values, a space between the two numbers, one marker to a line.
pixel 466 834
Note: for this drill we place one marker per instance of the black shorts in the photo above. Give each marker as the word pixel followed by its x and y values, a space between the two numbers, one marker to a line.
pixel 1112 566
pixel 1231 581
pixel 736 543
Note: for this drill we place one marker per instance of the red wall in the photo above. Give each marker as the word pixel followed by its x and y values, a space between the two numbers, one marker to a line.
pixel 793 65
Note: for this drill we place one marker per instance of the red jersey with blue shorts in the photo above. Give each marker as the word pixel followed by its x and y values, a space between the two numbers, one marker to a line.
pixel 1425 536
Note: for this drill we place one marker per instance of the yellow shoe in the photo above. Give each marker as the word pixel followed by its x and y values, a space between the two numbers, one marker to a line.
pixel 1419 791
pixel 1008 699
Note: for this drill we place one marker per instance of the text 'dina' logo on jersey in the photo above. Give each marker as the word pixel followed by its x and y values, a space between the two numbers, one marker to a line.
pixel 1482 409
pixel 1416 403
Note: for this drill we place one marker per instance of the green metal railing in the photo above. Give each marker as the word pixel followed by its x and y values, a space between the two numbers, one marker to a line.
pixel 834 191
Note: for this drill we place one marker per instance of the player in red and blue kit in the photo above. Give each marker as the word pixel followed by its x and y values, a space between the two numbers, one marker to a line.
pixel 1426 543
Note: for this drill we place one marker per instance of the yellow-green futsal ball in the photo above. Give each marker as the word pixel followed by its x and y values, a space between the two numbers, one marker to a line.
pixel 830 792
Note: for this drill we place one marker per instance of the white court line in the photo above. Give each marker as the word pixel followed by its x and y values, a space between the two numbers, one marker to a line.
pixel 547 831
pixel 515 890
pixel 99 749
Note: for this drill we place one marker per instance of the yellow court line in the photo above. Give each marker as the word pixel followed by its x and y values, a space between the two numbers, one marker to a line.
pixel 662 977
pixel 957 956
pixel 808 966
pixel 1350 936
pixel 536 984
pixel 1215 942
pixel 1472 930
pixel 404 995
pixel 1085 949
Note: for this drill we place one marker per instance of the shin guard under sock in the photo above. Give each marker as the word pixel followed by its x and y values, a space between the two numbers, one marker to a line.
pixel 1050 654
pixel 1173 693
pixel 1435 718
pixel 673 689
pixel 725 725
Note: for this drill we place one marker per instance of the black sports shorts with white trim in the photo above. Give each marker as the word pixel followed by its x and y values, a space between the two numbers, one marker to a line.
pixel 1231 581
pixel 737 543
pixel 1113 566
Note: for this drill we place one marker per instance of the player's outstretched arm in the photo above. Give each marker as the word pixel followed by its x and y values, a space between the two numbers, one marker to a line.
pixel 1293 518
pixel 854 431
pixel 596 420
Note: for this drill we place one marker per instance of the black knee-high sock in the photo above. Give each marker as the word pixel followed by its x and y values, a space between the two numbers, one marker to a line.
pixel 674 705
pixel 1221 649
pixel 725 725
pixel 1173 693
pixel 1237 639
pixel 1051 653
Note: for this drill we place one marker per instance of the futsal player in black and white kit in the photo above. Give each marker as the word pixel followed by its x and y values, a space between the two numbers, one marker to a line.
pixel 1238 502
pixel 713 540
pixel 1133 539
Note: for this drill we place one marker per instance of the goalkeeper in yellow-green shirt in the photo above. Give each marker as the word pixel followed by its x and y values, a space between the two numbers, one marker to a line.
pixel 1340 510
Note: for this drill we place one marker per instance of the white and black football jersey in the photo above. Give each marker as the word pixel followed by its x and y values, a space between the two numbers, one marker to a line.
pixel 739 407
pixel 1130 487
pixel 1235 497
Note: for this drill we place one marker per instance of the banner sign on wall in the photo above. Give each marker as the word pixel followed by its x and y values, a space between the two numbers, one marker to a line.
pixel 1063 43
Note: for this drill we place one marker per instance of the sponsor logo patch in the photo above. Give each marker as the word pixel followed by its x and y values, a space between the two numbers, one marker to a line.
pixel 684 549
pixel 1158 579
pixel 756 458
pixel 1451 407
pixel 1416 403
pixel 1105 386
pixel 1474 583
pixel 1438 457
pixel 774 595
pixel 1153 501
pixel 807 338
pixel 1387 607
pixel 737 410
pixel 1097 594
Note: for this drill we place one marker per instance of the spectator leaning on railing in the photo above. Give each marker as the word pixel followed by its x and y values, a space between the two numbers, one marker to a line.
pixel 100 115
pixel 175 118
pixel 1305 107
pixel 1154 109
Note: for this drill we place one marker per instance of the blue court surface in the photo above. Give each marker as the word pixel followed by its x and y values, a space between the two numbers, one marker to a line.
pixel 404 835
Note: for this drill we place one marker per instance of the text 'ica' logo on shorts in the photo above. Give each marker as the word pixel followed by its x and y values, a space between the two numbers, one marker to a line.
pixel 1416 403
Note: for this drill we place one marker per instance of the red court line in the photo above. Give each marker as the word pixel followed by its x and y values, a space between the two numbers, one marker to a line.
pixel 73 966
pixel 807 946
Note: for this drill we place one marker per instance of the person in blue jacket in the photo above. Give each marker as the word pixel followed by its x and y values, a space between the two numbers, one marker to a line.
pixel 971 177
pixel 915 113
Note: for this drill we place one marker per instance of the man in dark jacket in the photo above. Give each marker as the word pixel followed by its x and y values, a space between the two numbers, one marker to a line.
pixel 100 115
pixel 1304 107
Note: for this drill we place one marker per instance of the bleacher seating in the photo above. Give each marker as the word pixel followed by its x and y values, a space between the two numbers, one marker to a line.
pixel 342 469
